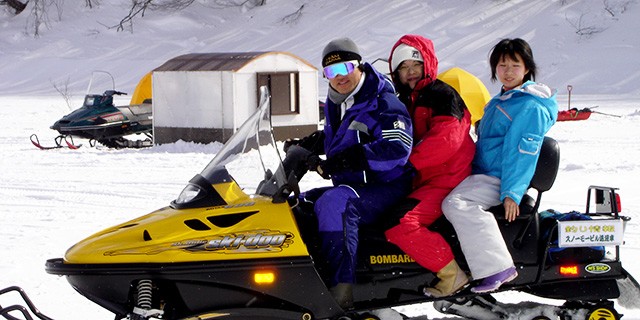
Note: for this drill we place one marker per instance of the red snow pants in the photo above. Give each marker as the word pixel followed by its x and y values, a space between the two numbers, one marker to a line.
pixel 428 248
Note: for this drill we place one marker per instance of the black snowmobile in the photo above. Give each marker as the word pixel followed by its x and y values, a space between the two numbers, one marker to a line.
pixel 98 119
pixel 231 246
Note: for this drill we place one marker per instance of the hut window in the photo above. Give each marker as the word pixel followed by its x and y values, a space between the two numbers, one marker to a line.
pixel 284 89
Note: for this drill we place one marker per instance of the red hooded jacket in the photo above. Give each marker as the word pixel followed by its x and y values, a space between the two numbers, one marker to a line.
pixel 443 148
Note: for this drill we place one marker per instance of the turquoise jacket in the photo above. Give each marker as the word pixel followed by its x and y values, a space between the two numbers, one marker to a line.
pixel 510 135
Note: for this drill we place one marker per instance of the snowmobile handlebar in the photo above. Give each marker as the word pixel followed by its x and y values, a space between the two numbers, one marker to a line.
pixel 114 93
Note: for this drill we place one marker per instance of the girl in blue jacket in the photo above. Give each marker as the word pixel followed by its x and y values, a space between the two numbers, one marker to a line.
pixel 510 135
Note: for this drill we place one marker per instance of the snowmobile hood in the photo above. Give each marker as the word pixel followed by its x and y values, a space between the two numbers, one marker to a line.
pixel 96 110
pixel 250 228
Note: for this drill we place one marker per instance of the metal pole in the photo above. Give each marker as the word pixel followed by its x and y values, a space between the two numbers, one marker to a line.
pixel 569 88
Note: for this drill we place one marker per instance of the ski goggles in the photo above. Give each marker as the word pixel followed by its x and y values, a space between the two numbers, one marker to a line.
pixel 342 68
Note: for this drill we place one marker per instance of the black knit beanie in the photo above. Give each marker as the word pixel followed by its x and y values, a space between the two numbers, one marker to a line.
pixel 340 50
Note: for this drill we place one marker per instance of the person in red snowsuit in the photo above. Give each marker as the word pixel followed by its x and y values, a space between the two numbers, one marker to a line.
pixel 442 153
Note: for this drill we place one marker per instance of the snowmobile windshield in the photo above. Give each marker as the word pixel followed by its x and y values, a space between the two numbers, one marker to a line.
pixel 249 158
pixel 101 90
pixel 100 81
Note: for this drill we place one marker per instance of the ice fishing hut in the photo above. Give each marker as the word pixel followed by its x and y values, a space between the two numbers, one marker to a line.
pixel 205 97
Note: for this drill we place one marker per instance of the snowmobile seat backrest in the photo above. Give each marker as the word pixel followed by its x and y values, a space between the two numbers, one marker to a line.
pixel 547 166
pixel 542 180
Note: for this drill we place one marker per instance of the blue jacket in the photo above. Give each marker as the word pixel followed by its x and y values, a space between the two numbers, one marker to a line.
pixel 510 135
pixel 380 123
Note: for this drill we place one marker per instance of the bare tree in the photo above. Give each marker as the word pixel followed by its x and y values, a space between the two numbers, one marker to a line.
pixel 582 28
pixel 618 7
pixel 15 5
pixel 139 7
pixel 292 18
pixel 63 90
pixel 91 3
pixel 38 17
pixel 59 5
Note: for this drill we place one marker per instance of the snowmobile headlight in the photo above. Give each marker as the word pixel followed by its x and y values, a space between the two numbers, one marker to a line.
pixel 199 193
pixel 189 193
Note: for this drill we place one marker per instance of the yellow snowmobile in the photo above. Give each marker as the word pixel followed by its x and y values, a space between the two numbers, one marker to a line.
pixel 231 246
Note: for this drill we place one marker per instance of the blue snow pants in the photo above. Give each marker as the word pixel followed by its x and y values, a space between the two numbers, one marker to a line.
pixel 340 210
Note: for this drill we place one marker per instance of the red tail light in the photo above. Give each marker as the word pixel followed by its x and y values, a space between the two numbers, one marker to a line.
pixel 569 270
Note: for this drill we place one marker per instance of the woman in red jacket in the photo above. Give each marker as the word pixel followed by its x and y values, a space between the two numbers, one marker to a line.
pixel 442 153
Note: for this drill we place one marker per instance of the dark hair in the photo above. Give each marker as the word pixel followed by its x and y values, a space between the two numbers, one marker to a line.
pixel 509 47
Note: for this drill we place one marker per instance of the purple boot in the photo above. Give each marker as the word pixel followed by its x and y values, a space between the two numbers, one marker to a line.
pixel 492 283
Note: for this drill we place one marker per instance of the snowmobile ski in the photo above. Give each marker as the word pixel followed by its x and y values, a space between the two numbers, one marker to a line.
pixel 6 312
pixel 68 142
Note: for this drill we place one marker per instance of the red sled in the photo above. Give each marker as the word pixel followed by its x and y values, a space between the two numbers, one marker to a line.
pixel 574 114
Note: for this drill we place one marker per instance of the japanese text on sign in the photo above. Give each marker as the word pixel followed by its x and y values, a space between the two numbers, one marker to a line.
pixel 586 233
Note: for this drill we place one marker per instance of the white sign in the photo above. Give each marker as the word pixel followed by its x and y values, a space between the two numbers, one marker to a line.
pixel 588 233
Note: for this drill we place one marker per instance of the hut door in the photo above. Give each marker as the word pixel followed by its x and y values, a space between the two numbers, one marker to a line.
pixel 283 87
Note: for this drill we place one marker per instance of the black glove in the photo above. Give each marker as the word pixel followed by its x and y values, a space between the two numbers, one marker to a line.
pixel 290 142
pixel 313 142
pixel 350 159
pixel 314 163
pixel 296 161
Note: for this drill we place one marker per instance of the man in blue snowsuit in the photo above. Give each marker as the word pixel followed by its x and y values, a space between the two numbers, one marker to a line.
pixel 367 139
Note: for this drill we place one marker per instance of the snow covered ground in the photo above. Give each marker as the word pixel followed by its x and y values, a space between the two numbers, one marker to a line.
pixel 51 199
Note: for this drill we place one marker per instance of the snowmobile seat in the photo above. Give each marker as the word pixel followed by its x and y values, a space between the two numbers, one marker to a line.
pixel 377 254
pixel 523 243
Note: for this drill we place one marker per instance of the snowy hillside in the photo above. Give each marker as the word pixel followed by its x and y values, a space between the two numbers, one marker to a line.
pixel 586 43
